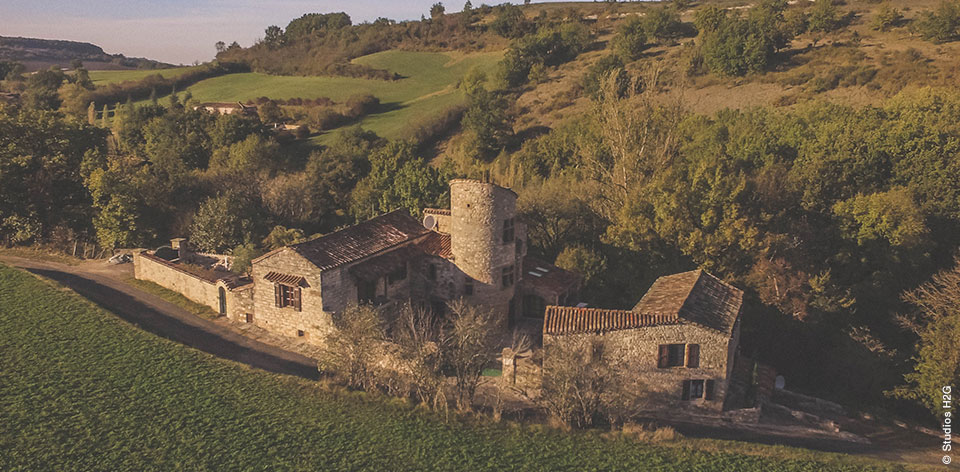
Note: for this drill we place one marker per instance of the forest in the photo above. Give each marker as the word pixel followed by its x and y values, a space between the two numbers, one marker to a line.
pixel 840 221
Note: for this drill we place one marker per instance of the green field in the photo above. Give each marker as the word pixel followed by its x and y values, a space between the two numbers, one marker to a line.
pixel 427 87
pixel 82 390
pixel 103 77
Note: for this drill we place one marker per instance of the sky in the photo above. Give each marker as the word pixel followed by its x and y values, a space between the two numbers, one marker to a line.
pixel 181 31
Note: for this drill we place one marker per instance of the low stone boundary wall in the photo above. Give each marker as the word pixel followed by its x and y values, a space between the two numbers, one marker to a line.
pixel 168 275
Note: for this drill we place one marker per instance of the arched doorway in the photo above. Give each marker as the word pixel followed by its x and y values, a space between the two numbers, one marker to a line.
pixel 223 301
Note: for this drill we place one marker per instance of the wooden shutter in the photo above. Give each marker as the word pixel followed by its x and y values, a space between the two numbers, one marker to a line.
pixel 686 390
pixel 664 356
pixel 708 390
pixel 277 296
pixel 693 355
pixel 296 298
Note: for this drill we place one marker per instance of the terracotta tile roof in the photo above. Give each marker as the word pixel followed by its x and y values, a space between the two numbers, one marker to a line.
pixel 361 240
pixel 540 274
pixel 436 211
pixel 437 244
pixel 573 320
pixel 285 279
pixel 696 296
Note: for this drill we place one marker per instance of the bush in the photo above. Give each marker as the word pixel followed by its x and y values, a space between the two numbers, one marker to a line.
pixel 631 39
pixel 663 23
pixel 940 26
pixel 549 47
pixel 361 105
pixel 510 22
pixel 323 119
pixel 887 17
pixel 601 70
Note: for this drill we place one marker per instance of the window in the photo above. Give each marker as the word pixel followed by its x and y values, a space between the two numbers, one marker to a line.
pixel 432 272
pixel 468 286
pixel 507 276
pixel 708 394
pixel 508 231
pixel 693 355
pixel 300 333
pixel 397 275
pixel 249 317
pixel 671 355
pixel 286 295
pixel 692 389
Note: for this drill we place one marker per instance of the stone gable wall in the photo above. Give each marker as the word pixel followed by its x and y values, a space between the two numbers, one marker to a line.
pixel 639 349
pixel 287 320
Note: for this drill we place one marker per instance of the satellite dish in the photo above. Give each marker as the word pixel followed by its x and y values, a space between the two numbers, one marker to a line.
pixel 429 222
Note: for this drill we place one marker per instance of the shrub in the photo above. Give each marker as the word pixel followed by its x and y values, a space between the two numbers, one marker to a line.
pixel 602 69
pixel 940 26
pixel 360 105
pixel 663 23
pixel 887 17
pixel 631 39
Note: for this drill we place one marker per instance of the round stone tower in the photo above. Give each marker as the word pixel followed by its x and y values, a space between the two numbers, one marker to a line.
pixel 483 235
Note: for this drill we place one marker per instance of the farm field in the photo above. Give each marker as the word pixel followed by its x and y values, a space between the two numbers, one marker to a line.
pixel 104 77
pixel 82 390
pixel 428 86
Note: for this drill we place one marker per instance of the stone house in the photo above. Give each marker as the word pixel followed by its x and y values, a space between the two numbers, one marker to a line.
pixel 227 108
pixel 679 341
pixel 475 251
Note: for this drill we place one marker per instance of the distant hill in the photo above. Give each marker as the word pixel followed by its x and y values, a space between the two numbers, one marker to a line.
pixel 42 53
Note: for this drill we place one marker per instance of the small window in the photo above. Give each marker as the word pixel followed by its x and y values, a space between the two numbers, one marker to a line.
pixel 397 275
pixel 286 295
pixel 693 355
pixel 468 286
pixel 432 272
pixel 300 333
pixel 507 276
pixel 508 231
pixel 249 317
pixel 710 386
pixel 671 355
pixel 692 389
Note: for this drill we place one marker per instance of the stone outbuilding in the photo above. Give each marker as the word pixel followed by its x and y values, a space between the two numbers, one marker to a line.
pixel 679 341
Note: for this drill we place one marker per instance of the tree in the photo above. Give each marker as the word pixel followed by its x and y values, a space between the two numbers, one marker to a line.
pixel 418 333
pixel 221 47
pixel 510 22
pixel 825 17
pixel 890 216
pixel 274 37
pixel 436 10
pixel 104 116
pixel 631 38
pixel 353 353
pixel 935 319
pixel 469 342
pixel 280 237
pixel 606 67
pixel 269 112
pixel 485 122
pixel 584 386
pixel 223 222
pixel 398 178
pixel 662 23
pixel 41 91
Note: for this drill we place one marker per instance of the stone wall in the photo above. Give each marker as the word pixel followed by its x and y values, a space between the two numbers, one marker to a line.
pixel 169 276
pixel 639 350
pixel 239 300
pixel 312 319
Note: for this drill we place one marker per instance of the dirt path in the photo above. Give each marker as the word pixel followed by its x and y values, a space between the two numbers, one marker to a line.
pixel 98 282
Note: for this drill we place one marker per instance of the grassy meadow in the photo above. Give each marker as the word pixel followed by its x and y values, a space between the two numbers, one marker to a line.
pixel 82 390
pixel 428 86
pixel 104 77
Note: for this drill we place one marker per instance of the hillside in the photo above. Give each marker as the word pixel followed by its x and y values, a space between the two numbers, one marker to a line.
pixel 36 54
pixel 105 395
